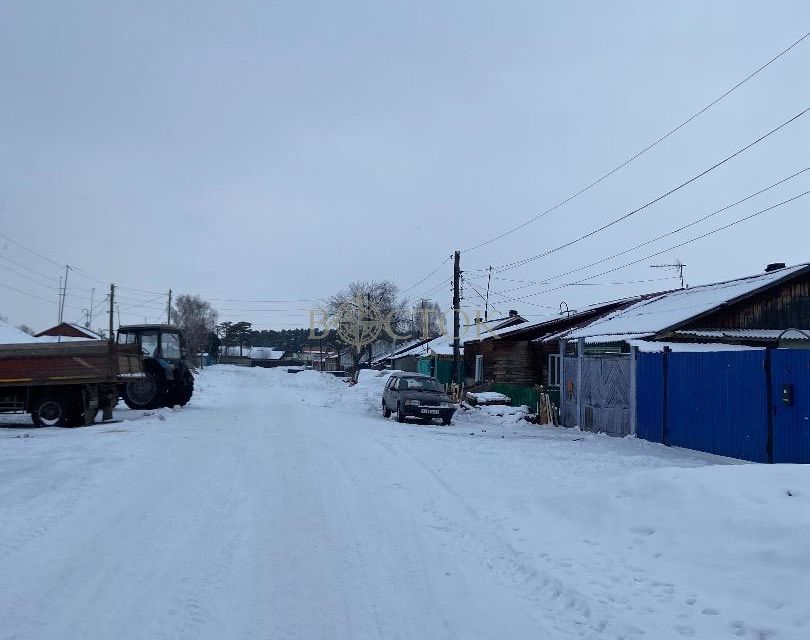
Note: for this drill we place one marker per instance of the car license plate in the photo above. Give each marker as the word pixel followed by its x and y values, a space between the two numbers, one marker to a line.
pixel 432 412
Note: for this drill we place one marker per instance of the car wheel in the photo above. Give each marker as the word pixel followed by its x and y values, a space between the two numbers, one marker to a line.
pixel 400 415
pixel 386 410
pixel 446 421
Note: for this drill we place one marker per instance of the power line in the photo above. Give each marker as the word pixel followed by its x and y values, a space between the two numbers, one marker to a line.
pixel 27 268
pixel 639 153
pixel 663 235
pixel 676 246
pixel 31 251
pixel 481 295
pixel 33 295
pixel 519 263
pixel 416 284
pixel 134 306
pixel 27 277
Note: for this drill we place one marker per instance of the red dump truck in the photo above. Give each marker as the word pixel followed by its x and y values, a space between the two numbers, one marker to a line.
pixel 65 384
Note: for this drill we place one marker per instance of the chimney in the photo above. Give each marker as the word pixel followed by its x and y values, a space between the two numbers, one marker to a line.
pixel 774 266
pixel 512 313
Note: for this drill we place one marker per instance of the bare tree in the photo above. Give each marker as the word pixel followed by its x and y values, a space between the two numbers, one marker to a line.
pixel 365 312
pixel 197 318
pixel 428 319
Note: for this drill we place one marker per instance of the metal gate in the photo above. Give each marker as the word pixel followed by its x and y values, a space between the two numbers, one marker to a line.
pixel 606 394
pixel 790 398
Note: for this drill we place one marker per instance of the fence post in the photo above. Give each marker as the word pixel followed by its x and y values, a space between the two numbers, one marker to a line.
pixel 633 390
pixel 580 356
pixel 665 408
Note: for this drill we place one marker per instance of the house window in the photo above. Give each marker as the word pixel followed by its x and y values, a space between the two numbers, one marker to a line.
pixel 479 368
pixel 554 370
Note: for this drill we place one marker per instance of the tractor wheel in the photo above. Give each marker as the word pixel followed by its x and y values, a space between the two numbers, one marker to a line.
pixel 181 393
pixel 51 410
pixel 148 392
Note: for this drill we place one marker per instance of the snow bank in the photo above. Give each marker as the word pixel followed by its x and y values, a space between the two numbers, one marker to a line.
pixel 647 346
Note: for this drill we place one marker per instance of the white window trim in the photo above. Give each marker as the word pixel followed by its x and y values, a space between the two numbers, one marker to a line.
pixel 554 372
pixel 479 368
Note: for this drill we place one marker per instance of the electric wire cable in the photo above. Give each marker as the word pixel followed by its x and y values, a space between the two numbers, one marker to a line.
pixel 638 154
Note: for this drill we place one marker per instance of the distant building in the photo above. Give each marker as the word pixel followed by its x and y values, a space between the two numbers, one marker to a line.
pixel 69 330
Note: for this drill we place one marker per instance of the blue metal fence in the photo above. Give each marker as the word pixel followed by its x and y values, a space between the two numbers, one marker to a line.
pixel 753 405
pixel 650 396
pixel 716 402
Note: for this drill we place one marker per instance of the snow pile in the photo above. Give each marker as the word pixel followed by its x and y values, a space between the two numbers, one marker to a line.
pixel 12 335
pixel 488 397
pixel 490 415
pixel 366 395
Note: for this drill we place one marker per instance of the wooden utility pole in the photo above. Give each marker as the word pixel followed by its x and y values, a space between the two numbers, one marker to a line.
pixel 64 294
pixel 59 303
pixel 456 317
pixel 112 306
pixel 90 310
pixel 486 302
pixel 169 309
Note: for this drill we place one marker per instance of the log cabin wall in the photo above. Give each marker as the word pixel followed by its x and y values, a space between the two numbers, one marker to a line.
pixel 785 306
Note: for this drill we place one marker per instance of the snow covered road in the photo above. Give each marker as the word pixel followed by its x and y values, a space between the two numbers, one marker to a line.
pixel 280 506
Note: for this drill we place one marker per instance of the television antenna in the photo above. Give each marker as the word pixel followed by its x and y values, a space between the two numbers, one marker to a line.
pixel 677 265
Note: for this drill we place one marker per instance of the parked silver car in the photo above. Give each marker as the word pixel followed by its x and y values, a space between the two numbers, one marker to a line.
pixel 414 395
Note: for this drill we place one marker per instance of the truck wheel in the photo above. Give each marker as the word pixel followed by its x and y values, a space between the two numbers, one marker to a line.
pixel 148 392
pixel 51 410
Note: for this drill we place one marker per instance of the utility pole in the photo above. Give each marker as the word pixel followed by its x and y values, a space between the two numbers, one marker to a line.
pixel 59 302
pixel 90 310
pixel 486 302
pixel 64 294
pixel 169 309
pixel 456 316
pixel 112 306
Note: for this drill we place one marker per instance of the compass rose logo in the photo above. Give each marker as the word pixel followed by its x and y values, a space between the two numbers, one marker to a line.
pixel 359 322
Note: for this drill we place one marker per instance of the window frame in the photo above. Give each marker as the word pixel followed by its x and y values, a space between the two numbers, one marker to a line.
pixel 554 370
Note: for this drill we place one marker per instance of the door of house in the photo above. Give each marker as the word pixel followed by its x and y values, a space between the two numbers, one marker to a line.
pixel 606 394
pixel 790 405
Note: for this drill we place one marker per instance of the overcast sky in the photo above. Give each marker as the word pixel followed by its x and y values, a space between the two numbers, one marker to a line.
pixel 276 151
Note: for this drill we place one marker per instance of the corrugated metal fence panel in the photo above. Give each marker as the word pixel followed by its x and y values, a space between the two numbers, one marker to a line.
pixel 717 403
pixel 444 370
pixel 650 396
pixel 791 422
pixel 518 394
pixel 568 392
pixel 425 365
